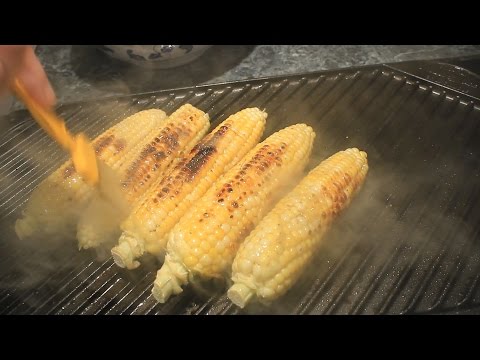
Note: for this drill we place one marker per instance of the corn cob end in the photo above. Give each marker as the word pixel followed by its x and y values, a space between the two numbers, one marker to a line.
pixel 240 294
pixel 170 279
pixel 128 249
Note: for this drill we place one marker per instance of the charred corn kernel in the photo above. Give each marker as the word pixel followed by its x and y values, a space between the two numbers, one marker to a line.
pixel 155 214
pixel 55 205
pixel 147 162
pixel 273 256
pixel 205 240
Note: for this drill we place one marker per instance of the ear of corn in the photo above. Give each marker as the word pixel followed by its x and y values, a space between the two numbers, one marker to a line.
pixel 205 240
pixel 273 256
pixel 141 167
pixel 54 206
pixel 155 214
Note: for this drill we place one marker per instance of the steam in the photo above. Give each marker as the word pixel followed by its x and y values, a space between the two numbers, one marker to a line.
pixel 413 210
pixel 392 219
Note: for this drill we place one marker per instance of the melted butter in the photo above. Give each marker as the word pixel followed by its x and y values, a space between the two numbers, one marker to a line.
pixel 84 159
pixel 110 189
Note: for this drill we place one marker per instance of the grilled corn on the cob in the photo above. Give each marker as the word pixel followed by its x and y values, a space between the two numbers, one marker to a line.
pixel 156 213
pixel 54 206
pixel 141 167
pixel 205 240
pixel 273 256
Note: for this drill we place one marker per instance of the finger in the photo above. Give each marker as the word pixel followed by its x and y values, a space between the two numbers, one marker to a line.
pixel 33 76
pixel 10 60
pixel 11 56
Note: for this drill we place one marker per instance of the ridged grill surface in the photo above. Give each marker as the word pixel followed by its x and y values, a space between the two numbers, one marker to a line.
pixel 408 244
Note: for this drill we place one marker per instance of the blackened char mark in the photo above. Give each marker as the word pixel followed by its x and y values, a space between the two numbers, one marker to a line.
pixel 102 143
pixel 154 153
pixel 198 161
pixel 211 139
pixel 256 170
pixel 146 153
pixel 170 140
pixel 187 169
pixel 203 151
pixel 119 145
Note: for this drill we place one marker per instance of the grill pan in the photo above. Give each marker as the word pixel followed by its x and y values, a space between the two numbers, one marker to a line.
pixel 408 244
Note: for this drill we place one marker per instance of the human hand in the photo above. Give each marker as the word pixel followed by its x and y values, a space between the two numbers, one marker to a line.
pixel 20 61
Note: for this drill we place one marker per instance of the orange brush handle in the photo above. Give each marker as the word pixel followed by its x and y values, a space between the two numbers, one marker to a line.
pixel 81 150
pixel 46 119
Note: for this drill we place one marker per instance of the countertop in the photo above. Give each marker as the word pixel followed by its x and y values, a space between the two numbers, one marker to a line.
pixel 83 72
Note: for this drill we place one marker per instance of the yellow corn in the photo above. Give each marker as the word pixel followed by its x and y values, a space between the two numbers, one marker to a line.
pixel 141 167
pixel 54 206
pixel 205 240
pixel 274 255
pixel 155 214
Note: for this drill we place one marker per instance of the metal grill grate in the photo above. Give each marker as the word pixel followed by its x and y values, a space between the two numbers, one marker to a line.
pixel 408 244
